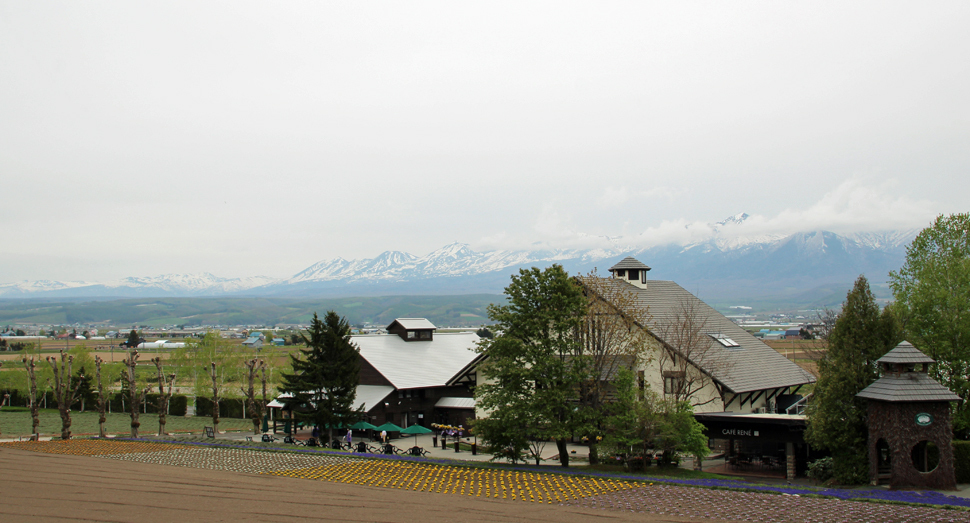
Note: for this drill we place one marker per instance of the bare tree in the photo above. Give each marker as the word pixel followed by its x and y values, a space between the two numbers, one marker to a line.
pixel 34 407
pixel 824 323
pixel 690 357
pixel 163 397
pixel 134 399
pixel 256 408
pixel 612 335
pixel 265 401
pixel 102 399
pixel 215 397
pixel 64 393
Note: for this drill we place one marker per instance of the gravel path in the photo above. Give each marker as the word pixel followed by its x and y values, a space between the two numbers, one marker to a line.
pixel 700 503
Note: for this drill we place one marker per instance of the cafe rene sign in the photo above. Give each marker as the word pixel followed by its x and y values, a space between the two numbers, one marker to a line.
pixel 740 432
pixel 924 419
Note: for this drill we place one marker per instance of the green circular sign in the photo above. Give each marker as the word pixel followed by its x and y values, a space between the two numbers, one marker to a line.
pixel 924 419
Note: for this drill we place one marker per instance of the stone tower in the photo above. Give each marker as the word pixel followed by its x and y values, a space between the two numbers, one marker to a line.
pixel 909 422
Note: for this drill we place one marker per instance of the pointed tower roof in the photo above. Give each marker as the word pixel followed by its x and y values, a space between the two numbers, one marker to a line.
pixel 905 353
pixel 910 386
pixel 629 263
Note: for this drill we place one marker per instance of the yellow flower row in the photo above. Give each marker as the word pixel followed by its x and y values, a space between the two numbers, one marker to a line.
pixel 478 482
pixel 89 447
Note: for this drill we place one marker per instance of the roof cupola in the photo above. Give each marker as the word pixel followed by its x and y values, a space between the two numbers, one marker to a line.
pixel 631 270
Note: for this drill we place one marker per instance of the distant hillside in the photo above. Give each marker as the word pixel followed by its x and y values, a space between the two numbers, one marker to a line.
pixel 444 311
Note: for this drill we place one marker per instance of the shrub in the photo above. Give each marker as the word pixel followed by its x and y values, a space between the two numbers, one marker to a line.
pixel 178 405
pixel 851 468
pixel 821 470
pixel 961 460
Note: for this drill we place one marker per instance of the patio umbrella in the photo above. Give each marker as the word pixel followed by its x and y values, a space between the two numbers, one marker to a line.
pixel 389 427
pixel 415 429
pixel 362 425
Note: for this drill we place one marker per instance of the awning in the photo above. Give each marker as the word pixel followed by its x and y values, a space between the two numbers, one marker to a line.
pixel 455 403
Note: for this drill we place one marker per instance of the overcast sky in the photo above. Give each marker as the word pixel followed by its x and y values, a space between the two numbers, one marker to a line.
pixel 145 138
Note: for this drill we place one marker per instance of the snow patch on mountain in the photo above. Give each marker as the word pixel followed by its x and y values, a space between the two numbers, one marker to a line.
pixel 731 237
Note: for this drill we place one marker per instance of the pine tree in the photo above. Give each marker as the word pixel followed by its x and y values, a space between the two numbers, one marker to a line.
pixel 836 418
pixel 133 339
pixel 325 375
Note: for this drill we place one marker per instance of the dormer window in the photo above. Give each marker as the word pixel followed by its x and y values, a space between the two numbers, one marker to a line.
pixel 412 329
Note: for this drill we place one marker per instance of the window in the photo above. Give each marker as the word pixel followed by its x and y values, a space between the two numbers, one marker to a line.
pixel 673 385
pixel 620 273
pixel 425 335
pixel 632 274
pixel 410 335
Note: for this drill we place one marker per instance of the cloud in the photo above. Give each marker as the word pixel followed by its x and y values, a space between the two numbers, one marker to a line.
pixel 620 196
pixel 852 206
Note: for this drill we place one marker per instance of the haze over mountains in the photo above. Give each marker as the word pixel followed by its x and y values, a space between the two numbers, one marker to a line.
pixel 727 264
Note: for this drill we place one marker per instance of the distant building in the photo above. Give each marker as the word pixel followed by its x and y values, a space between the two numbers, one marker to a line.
pixel 415 376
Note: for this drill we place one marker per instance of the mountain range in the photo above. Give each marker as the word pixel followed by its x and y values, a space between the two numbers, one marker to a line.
pixel 725 265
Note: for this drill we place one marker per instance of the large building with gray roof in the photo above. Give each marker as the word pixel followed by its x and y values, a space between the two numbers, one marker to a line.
pixel 731 370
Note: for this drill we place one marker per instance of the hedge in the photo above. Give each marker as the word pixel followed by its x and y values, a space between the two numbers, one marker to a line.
pixel 176 405
pixel 228 408
pixel 961 460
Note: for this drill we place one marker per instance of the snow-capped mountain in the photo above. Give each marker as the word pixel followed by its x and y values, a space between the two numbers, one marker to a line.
pixel 727 258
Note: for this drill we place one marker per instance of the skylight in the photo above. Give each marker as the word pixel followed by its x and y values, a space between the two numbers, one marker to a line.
pixel 725 341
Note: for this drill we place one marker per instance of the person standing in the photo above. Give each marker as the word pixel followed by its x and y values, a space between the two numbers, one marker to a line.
pixel 384 437
pixel 350 438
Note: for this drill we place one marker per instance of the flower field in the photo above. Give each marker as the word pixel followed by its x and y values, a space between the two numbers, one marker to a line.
pixel 91 447
pixel 692 499
pixel 478 482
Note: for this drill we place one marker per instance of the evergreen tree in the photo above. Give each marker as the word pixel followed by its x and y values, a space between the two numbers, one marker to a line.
pixel 325 375
pixel 133 339
pixel 836 417
pixel 81 382
pixel 532 369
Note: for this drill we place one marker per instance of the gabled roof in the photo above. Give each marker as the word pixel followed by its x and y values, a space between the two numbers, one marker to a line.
pixel 905 353
pixel 749 366
pixel 907 387
pixel 413 323
pixel 368 396
pixel 419 365
pixel 629 263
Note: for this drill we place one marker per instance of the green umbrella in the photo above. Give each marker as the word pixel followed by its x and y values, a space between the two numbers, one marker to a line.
pixel 389 427
pixel 362 425
pixel 415 429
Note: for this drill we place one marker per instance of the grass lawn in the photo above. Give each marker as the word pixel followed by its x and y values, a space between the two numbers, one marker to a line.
pixel 15 421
